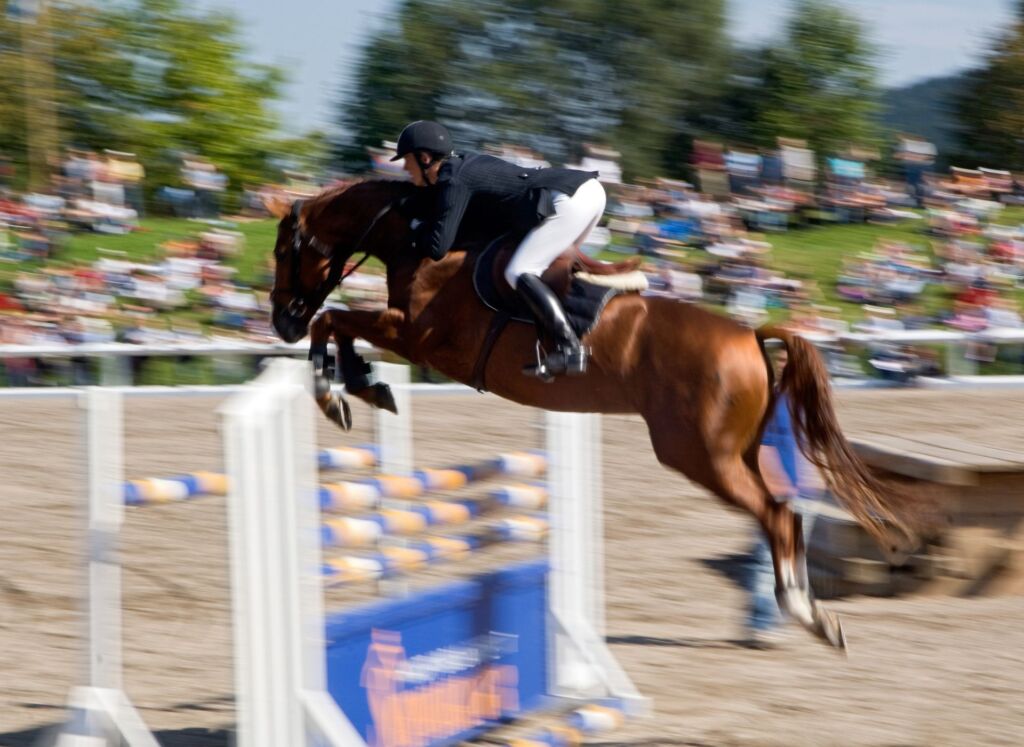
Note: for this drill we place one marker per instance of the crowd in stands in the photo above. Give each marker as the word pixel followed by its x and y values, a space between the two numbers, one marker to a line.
pixel 707 241
pixel 722 228
pixel 116 299
pixel 48 299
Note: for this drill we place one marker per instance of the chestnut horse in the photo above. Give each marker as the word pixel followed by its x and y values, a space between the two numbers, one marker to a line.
pixel 703 383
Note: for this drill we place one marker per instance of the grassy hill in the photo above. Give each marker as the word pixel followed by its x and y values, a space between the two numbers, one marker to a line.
pixel 813 254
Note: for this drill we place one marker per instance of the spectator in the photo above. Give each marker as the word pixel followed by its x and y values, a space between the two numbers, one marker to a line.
pixel 207 184
pixel 789 477
pixel 127 172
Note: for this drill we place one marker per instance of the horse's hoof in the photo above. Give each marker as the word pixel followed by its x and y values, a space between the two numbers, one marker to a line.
pixel 339 412
pixel 383 398
pixel 830 628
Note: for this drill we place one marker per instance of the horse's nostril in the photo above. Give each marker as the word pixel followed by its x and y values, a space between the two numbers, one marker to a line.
pixel 288 327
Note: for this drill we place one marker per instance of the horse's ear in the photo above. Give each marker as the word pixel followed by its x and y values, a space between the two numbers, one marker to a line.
pixel 277 205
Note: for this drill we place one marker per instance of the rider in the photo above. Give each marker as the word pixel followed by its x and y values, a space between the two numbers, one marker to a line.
pixel 558 206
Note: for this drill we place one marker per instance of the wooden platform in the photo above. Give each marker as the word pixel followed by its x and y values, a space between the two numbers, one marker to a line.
pixel 980 490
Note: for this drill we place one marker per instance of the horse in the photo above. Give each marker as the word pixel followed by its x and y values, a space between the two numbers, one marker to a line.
pixel 703 383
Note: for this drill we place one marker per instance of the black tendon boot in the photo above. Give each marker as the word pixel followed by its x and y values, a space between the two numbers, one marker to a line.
pixel 568 357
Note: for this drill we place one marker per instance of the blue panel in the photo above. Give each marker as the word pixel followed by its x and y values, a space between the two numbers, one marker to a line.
pixel 518 601
pixel 393 666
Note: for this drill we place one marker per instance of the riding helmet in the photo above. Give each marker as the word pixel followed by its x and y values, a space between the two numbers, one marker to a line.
pixel 424 135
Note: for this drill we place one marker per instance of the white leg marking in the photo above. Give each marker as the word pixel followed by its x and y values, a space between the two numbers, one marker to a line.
pixel 795 597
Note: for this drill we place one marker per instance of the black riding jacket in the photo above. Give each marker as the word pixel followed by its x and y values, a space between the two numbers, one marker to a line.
pixel 518 198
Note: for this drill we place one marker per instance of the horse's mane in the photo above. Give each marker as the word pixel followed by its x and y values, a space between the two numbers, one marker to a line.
pixel 320 203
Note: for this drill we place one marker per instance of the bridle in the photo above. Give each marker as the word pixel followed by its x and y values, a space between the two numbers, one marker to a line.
pixel 335 254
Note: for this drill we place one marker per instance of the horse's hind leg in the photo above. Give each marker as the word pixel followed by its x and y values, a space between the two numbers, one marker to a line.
pixel 792 587
pixel 742 486
pixel 733 479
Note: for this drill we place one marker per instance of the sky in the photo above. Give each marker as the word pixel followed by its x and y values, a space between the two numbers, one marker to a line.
pixel 318 41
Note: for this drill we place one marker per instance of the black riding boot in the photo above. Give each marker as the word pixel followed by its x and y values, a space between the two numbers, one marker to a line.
pixel 568 357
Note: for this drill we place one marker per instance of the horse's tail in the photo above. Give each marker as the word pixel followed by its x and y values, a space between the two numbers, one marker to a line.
pixel 890 516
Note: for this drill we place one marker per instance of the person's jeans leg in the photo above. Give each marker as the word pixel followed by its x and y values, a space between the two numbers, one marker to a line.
pixel 764 614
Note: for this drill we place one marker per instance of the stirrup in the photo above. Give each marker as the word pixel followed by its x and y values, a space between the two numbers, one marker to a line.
pixel 539 369
pixel 557 363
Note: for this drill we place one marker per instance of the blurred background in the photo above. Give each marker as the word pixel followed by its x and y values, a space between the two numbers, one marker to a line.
pixel 851 167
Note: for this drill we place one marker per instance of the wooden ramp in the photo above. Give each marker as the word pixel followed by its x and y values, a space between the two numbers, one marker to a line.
pixel 980 490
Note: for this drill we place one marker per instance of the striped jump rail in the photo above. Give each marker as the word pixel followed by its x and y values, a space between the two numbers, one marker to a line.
pixel 366 494
pixel 195 484
pixel 588 720
pixel 347 494
pixel 370 529
pixel 389 562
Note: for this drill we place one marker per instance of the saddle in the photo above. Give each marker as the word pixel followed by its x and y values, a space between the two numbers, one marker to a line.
pixel 583 285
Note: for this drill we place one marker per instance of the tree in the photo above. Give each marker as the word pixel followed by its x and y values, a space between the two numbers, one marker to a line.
pixel 152 77
pixel 194 90
pixel 817 84
pixel 400 78
pixel 548 75
pixel 990 108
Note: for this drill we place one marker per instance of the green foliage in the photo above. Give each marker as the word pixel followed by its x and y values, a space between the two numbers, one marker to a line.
pixel 816 84
pixel 12 90
pixel 194 91
pixel 401 77
pixel 547 75
pixel 991 106
pixel 150 76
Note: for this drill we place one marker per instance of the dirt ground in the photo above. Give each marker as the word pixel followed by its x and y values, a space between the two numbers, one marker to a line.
pixel 922 671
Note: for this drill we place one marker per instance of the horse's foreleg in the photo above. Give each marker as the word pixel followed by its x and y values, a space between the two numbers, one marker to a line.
pixel 355 372
pixel 379 328
pixel 332 405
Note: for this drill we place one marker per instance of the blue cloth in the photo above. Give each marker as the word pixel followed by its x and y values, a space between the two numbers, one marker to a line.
pixel 779 435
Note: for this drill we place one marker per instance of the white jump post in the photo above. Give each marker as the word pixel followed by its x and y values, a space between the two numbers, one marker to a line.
pixel 101 713
pixel 276 554
pixel 582 665
pixel 280 669
pixel 394 432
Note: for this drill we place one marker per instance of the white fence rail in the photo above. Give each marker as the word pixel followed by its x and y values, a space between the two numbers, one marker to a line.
pixel 114 356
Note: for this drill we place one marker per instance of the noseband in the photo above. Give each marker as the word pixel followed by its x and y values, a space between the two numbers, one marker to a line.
pixel 301 301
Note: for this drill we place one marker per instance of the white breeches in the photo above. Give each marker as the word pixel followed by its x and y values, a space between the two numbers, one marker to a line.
pixel 573 219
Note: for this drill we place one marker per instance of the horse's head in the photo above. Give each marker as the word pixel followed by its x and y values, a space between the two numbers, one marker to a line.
pixel 314 241
pixel 300 273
